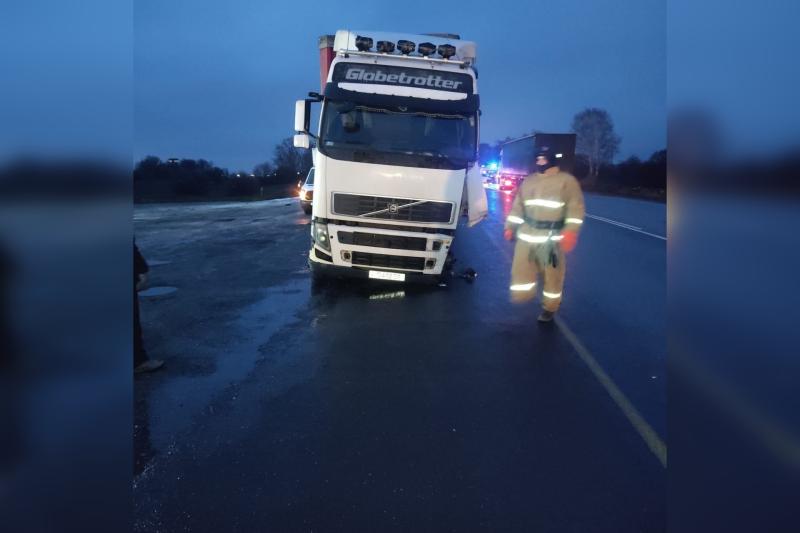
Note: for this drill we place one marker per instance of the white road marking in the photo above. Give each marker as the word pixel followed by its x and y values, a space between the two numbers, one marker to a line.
pixel 626 226
pixel 645 431
pixel 648 434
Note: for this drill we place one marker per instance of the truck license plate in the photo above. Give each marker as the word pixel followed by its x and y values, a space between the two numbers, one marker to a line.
pixel 391 276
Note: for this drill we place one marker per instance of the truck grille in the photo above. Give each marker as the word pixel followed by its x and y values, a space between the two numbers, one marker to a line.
pixel 388 261
pixel 379 207
pixel 382 241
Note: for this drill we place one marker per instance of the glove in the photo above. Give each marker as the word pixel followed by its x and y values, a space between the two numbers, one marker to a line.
pixel 508 235
pixel 569 241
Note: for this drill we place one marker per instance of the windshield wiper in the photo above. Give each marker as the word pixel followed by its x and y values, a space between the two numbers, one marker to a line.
pixel 341 143
pixel 445 158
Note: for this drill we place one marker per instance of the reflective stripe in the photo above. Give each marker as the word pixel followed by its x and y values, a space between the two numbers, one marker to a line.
pixel 522 287
pixel 515 220
pixel 551 294
pixel 545 203
pixel 539 238
pixel 533 238
pixel 574 221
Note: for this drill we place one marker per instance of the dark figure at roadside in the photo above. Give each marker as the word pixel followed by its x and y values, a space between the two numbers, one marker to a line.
pixel 12 435
pixel 141 363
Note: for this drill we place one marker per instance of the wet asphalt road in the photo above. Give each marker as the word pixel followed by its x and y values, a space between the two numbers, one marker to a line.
pixel 364 408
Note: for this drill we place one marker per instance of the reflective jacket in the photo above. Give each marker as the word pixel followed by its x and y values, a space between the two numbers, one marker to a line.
pixel 545 206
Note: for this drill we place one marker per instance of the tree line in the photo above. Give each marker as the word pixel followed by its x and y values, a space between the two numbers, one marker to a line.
pixel 597 145
pixel 155 179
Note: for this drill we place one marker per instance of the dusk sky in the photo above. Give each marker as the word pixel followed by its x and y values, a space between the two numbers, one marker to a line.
pixel 217 80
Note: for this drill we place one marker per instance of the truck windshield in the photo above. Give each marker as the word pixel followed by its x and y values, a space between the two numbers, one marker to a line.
pixel 397 136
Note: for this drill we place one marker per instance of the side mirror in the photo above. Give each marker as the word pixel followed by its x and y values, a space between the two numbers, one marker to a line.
pixel 302 140
pixel 302 115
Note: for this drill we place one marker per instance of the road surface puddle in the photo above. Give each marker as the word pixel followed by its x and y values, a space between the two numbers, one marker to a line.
pixel 178 400
pixel 154 292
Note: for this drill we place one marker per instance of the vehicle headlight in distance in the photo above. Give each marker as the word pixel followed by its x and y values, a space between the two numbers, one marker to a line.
pixel 321 236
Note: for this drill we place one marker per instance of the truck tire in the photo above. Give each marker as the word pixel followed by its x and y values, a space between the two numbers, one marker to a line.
pixel 447 270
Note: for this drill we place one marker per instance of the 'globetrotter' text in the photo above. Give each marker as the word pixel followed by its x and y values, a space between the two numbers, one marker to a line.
pixel 431 80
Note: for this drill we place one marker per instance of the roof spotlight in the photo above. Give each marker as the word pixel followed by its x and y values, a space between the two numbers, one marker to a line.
pixel 406 47
pixel 426 49
pixel 447 50
pixel 363 43
pixel 385 47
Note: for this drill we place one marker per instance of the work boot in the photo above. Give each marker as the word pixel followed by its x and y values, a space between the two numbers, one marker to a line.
pixel 546 316
pixel 148 366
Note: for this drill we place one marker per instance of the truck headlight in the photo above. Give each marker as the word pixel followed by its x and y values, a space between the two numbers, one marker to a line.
pixel 320 234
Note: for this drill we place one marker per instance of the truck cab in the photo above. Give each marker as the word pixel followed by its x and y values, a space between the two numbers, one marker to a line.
pixel 396 154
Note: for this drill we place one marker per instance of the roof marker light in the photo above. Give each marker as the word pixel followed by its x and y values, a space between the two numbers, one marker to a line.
pixel 447 50
pixel 427 49
pixel 406 47
pixel 363 43
pixel 385 47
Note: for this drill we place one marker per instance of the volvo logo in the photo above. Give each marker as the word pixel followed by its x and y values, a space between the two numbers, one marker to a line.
pixel 393 208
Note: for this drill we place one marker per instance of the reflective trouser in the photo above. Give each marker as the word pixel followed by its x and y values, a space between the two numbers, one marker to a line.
pixel 525 270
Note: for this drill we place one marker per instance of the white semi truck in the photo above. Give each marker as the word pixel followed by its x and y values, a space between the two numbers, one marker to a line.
pixel 395 154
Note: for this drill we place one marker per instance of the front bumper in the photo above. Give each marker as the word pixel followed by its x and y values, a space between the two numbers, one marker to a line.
pixel 329 270
pixel 383 250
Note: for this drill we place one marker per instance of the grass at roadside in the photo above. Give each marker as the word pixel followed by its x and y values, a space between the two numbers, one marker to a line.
pixel 265 193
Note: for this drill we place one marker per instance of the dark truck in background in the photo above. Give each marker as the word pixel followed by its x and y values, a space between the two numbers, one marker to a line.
pixel 518 156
